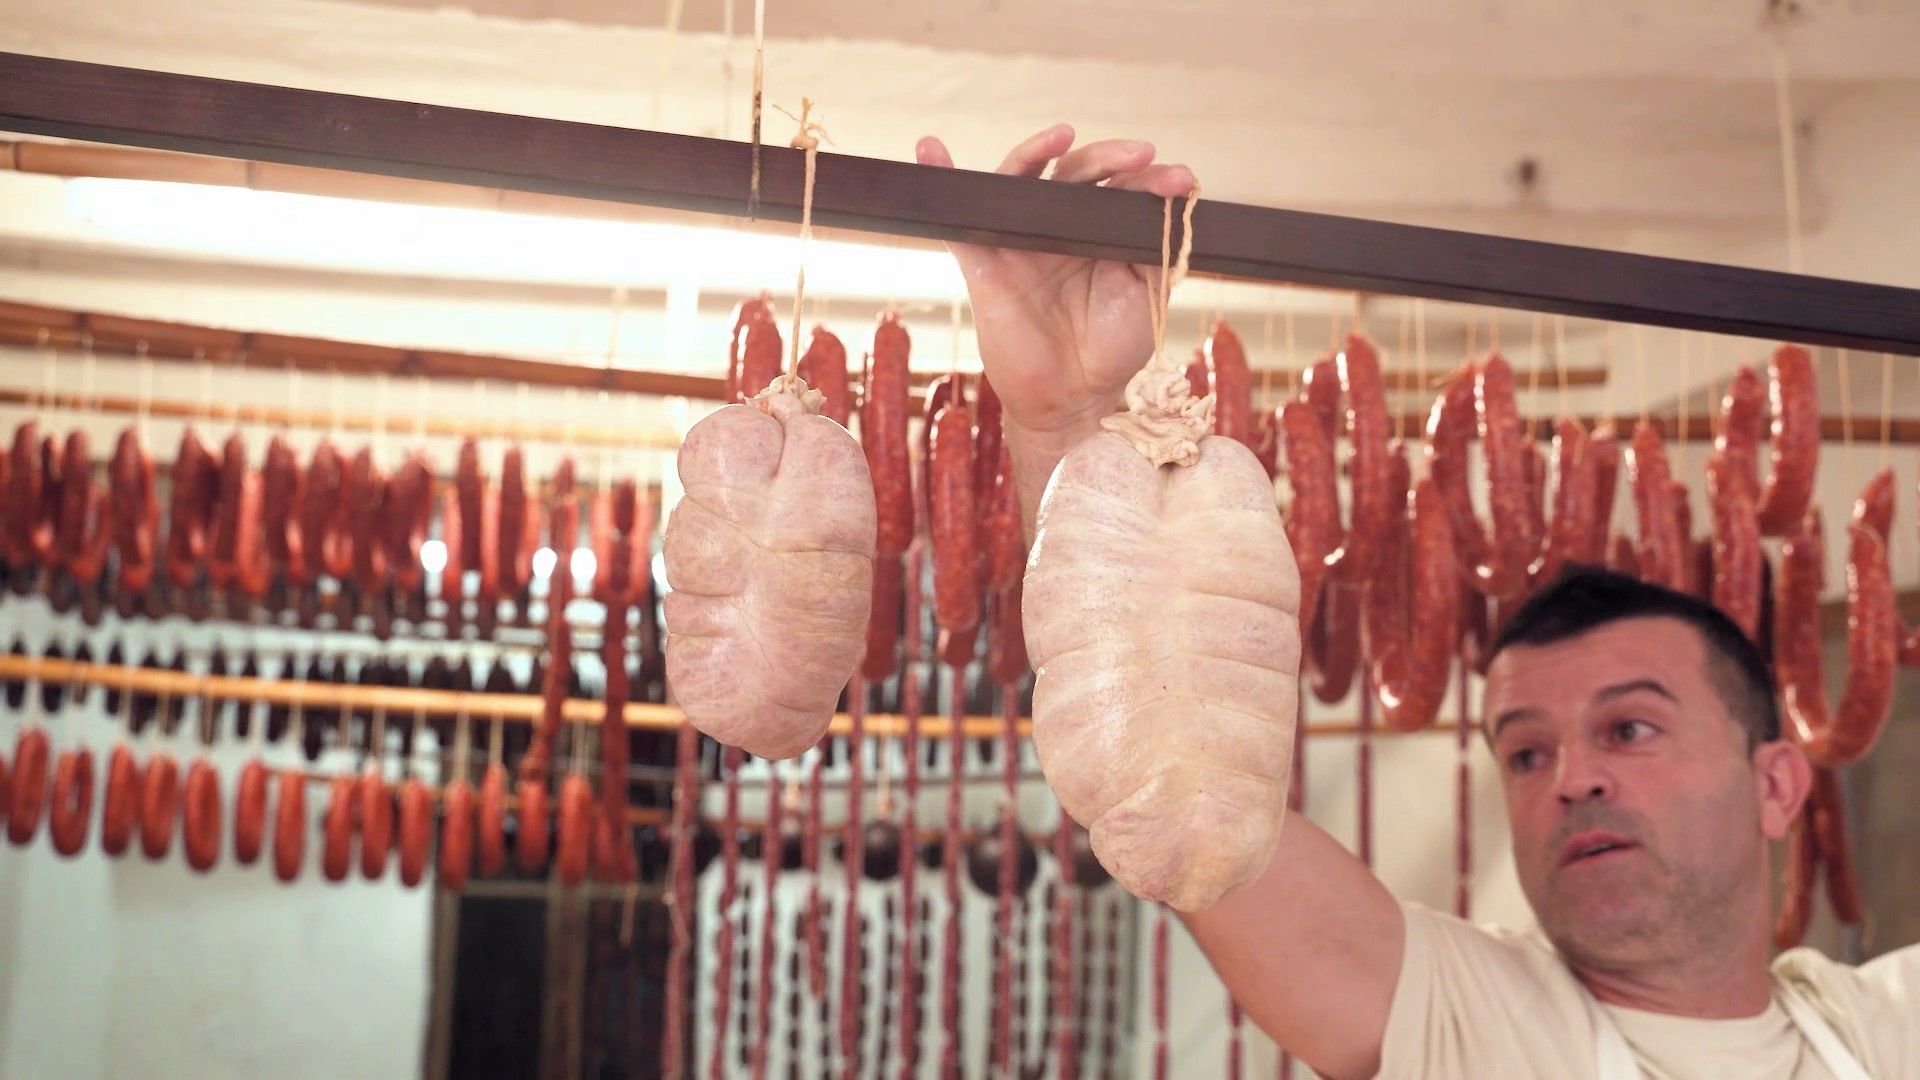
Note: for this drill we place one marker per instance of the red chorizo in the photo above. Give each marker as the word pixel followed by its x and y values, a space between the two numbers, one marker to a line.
pixel 366 493
pixel 200 825
pixel 336 848
pixel 989 440
pixel 456 836
pixel 1691 581
pixel 1603 446
pixel 1333 643
pixel 883 622
pixel 1574 502
pixel 1373 510
pixel 1006 636
pixel 290 826
pixel 24 497
pixel 755 356
pixel 325 539
pixel 250 812
pixel 1796 908
pixel 68 817
pixel 1409 640
pixel 824 367
pixel 28 798
pixel 120 809
pixel 576 829
pixel 408 515
pixel 535 835
pixel 453 536
pixel 1313 510
pixel 1479 401
pixel 159 805
pixel 1624 558
pixel 6 776
pixel 1661 557
pixel 416 830
pixel 956 586
pixel 1827 810
pixel 493 820
pixel 376 823
pixel 1199 379
pixel 566 530
pixel 1737 440
pixel 470 484
pixel 189 509
pixel 281 502
pixel 1737 556
pixel 1232 385
pixel 1795 446
pixel 1266 441
pixel 509 537
pixel 223 566
pixel 1004 552
pixel 883 435
pixel 86 517
pixel 1846 734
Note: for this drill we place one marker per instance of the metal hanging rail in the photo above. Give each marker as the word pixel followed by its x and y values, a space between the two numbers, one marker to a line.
pixel 129 106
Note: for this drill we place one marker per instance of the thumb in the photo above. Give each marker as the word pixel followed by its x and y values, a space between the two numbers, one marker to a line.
pixel 971 257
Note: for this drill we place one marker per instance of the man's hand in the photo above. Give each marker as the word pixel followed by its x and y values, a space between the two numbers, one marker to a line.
pixel 1059 335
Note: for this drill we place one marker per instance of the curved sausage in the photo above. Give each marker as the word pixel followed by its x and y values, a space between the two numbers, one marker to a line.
pixel 1374 510
pixel 366 494
pixel 28 798
pixel 1692 581
pixel 1738 560
pixel 456 836
pixel 159 805
pixel 565 534
pixel 1574 503
pixel 952 520
pixel 250 812
pixel 326 542
pixel 493 820
pixel 200 828
pixel 1480 401
pixel 1795 447
pixel 1266 441
pixel 824 367
pixel 756 348
pixel 883 435
pixel 190 509
pixel 336 848
pixel 1232 385
pixel 1661 557
pixel 883 619
pixel 290 826
pixel 1603 446
pixel 1332 653
pixel 576 830
pixel 1796 909
pixel 120 809
pixel 535 834
pixel 281 483
pixel 1827 815
pixel 86 517
pixel 135 515
pixel 1006 637
pixel 24 498
pixel 1737 442
pixel 376 823
pixel 229 488
pixel 408 516
pixel 69 816
pixel 416 830
pixel 1312 517
pixel 1409 639
pixel 1844 735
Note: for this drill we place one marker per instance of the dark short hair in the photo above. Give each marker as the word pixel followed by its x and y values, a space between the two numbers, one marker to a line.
pixel 1585 598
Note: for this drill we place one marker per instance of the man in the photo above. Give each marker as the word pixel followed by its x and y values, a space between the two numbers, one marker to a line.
pixel 1640 754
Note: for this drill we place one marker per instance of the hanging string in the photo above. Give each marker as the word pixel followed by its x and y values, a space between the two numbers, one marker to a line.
pixel 1560 360
pixel 1886 407
pixel 1640 366
pixel 1266 352
pixel 1789 150
pixel 1613 351
pixel 1493 330
pixel 1400 357
pixel 1533 377
pixel 1420 344
pixel 726 69
pixel 807 139
pixel 759 88
pixel 1473 337
pixel 1172 267
pixel 1680 450
pixel 1846 401
pixel 1293 367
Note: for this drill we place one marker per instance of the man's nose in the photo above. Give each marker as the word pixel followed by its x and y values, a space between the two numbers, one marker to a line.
pixel 1581 776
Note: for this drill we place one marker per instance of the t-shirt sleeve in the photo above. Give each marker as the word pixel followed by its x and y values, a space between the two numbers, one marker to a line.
pixel 1874 1007
pixel 1474 1002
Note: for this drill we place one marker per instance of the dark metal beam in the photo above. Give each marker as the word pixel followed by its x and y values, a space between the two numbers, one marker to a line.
pixel 129 106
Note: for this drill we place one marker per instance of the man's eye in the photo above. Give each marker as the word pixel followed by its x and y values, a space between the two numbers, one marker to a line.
pixel 1525 759
pixel 1628 731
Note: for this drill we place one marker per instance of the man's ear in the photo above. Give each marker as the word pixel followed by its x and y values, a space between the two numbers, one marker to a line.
pixel 1782 777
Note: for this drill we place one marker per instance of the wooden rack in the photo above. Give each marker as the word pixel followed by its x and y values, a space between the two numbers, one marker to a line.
pixel 515 708
pixel 129 106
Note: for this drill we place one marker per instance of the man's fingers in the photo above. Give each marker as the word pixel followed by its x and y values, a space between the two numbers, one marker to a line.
pixel 1098 161
pixel 931 151
pixel 1166 181
pixel 1031 156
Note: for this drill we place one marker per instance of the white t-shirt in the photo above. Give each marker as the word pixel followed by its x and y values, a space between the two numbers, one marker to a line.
pixel 1475 1002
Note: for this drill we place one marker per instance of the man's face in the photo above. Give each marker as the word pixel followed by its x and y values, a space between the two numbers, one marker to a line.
pixel 1632 798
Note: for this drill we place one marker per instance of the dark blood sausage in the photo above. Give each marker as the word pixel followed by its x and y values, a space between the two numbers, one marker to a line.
pixel 290 826
pixel 336 848
pixel 1479 402
pixel 576 829
pixel 159 805
pixel 1661 554
pixel 1795 446
pixel 883 435
pixel 1232 385
pixel 28 798
pixel 120 809
pixel 1411 606
pixel 456 836
pixel 68 816
pixel 416 830
pixel 824 367
pixel 250 812
pixel 1844 735
pixel 952 521
pixel 200 827
pixel 1374 510
pixel 493 820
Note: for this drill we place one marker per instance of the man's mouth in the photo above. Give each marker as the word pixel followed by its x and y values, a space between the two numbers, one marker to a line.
pixel 1593 845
